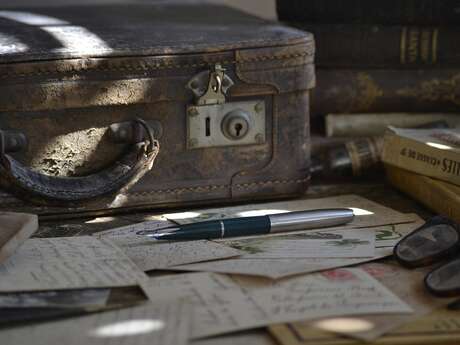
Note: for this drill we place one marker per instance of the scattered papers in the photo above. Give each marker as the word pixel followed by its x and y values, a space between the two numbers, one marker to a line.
pixel 221 307
pixel 149 254
pixel 85 298
pixel 386 238
pixel 67 263
pixel 367 213
pixel 259 337
pixel 15 228
pixel 407 285
pixel 149 324
pixel 133 229
pixel 327 244
pixel 440 327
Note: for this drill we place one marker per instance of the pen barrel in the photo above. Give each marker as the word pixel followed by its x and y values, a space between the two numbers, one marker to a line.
pixel 224 228
pixel 304 220
pixel 246 226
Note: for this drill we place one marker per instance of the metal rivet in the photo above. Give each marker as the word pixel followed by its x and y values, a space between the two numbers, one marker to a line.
pixel 192 142
pixel 192 111
pixel 259 107
pixel 259 138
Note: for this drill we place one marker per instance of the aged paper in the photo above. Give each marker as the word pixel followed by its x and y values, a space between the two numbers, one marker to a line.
pixel 440 327
pixel 132 229
pixel 407 285
pixel 84 298
pixel 221 307
pixel 386 238
pixel 15 228
pixel 352 243
pixel 258 337
pixel 367 212
pixel 149 254
pixel 149 324
pixel 67 263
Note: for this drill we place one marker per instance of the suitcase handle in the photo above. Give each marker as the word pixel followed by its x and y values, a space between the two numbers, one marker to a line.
pixel 51 190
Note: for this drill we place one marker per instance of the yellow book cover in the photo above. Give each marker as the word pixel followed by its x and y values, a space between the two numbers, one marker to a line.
pixel 430 152
pixel 439 196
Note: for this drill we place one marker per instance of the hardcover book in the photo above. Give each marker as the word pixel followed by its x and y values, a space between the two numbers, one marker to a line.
pixel 381 46
pixel 365 90
pixel 430 152
pixel 439 196
pixel 370 11
pixel 371 124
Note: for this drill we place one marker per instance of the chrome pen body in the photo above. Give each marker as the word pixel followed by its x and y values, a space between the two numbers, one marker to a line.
pixel 259 225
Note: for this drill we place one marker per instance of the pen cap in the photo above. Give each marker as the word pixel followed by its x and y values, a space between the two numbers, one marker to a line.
pixel 303 220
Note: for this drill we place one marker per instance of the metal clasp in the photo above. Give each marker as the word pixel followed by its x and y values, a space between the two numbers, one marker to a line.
pixel 210 87
pixel 212 121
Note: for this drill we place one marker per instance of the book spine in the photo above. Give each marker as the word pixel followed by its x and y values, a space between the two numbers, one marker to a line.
pixel 374 46
pixel 385 91
pixel 438 196
pixel 421 158
pixel 366 125
pixel 370 11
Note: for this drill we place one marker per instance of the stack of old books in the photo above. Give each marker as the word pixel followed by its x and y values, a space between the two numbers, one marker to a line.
pixel 381 55
pixel 425 163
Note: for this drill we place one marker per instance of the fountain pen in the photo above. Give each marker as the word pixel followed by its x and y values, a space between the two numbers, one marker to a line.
pixel 259 225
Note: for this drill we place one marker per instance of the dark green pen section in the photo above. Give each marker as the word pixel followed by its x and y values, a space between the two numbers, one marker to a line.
pixel 232 228
pixel 247 226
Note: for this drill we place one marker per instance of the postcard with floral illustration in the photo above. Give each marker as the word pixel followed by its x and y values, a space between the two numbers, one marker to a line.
pixel 334 244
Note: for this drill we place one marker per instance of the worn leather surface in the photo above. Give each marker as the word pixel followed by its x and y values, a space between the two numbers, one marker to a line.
pixel 70 191
pixel 133 30
pixel 73 100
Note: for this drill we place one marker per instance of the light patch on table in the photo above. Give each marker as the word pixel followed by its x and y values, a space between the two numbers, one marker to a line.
pixel 149 324
pixel 221 307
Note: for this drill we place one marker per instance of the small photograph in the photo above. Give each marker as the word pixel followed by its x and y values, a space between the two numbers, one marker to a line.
pixel 56 299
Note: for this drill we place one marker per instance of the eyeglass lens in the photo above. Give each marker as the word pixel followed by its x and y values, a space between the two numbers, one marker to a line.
pixel 427 244
pixel 445 280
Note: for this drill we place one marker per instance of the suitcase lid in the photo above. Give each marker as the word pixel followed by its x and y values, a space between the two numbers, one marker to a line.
pixel 55 33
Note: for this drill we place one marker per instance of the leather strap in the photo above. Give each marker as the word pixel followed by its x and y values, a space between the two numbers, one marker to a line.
pixel 51 190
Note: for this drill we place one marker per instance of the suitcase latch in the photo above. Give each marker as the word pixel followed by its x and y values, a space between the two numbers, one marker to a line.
pixel 217 85
pixel 214 121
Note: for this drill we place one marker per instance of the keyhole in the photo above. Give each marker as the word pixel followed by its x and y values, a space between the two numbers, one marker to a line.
pixel 238 128
pixel 207 126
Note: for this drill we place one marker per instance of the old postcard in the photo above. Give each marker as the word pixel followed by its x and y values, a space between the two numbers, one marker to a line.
pixel 84 298
pixel 221 306
pixel 367 212
pixel 148 324
pixel 386 238
pixel 254 337
pixel 132 229
pixel 68 263
pixel 351 243
pixel 407 285
pixel 149 254
pixel 440 327
pixel 15 228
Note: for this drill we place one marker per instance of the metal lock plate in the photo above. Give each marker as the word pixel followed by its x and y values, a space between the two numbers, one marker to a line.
pixel 212 125
pixel 213 122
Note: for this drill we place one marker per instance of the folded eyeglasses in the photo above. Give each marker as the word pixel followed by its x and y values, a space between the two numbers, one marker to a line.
pixel 438 240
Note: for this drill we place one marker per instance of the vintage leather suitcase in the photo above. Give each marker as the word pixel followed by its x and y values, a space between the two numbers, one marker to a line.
pixel 141 106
